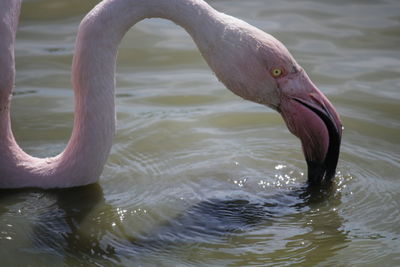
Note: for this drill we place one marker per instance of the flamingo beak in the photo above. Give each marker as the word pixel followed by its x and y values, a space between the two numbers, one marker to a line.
pixel 311 117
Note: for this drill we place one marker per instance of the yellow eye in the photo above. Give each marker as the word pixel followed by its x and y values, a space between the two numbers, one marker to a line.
pixel 277 72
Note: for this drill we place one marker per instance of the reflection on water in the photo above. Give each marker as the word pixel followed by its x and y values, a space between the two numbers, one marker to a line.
pixel 57 233
pixel 76 225
pixel 198 176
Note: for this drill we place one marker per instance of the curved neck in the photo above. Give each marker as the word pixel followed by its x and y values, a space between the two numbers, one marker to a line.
pixel 93 82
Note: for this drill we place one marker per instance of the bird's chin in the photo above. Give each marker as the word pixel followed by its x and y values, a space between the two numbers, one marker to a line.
pixel 318 127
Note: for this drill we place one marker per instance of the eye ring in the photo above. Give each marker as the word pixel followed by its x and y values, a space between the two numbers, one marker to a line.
pixel 277 72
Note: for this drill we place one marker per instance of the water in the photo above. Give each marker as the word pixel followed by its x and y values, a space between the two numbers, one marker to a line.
pixel 198 176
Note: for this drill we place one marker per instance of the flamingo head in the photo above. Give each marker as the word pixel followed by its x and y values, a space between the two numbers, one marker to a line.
pixel 259 68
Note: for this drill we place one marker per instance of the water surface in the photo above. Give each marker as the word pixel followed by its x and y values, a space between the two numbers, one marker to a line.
pixel 198 176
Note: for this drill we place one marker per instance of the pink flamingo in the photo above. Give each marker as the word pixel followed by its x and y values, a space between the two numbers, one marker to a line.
pixel 249 62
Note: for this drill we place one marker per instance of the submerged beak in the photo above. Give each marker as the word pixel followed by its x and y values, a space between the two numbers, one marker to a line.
pixel 310 116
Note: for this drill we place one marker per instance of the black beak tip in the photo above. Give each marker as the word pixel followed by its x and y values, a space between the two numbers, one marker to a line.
pixel 318 173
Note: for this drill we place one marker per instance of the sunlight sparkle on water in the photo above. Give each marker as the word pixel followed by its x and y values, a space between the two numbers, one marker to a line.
pixel 139 210
pixel 341 181
pixel 263 184
pixel 283 179
pixel 280 167
pixel 121 213
pixel 241 182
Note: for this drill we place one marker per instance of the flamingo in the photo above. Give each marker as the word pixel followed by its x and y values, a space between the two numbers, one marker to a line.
pixel 249 62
